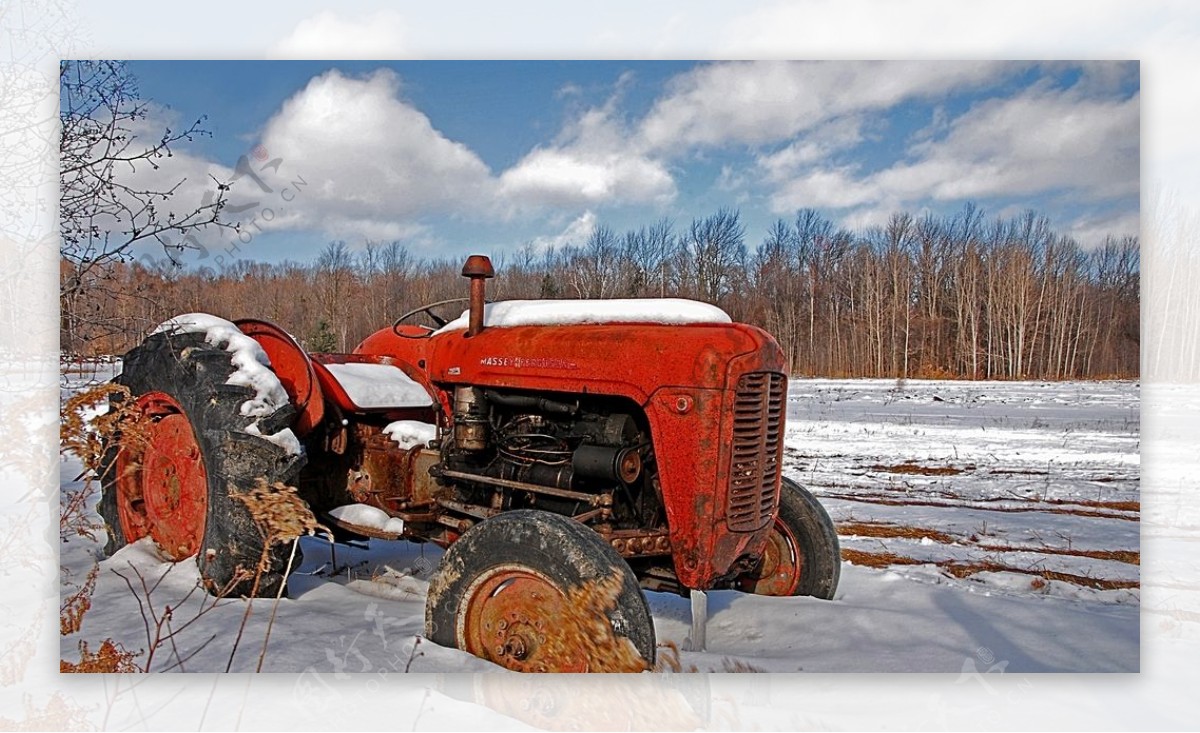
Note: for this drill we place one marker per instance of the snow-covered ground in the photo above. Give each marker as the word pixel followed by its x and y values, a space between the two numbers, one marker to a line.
pixel 993 527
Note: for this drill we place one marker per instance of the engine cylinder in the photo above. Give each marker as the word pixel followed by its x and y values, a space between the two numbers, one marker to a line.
pixel 603 462
pixel 470 419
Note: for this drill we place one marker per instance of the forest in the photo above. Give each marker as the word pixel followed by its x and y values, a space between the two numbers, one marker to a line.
pixel 962 296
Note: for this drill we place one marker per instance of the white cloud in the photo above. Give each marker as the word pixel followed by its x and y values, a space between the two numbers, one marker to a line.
pixel 575 234
pixel 578 176
pixel 1041 141
pixel 835 188
pixel 811 148
pixel 593 161
pixel 867 217
pixel 371 160
pixel 375 166
pixel 1091 230
pixel 380 35
pixel 766 102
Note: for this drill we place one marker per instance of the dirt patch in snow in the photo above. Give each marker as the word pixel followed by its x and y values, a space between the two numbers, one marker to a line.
pixel 912 468
pixel 883 529
pixel 877 559
pixel 1050 507
pixel 966 569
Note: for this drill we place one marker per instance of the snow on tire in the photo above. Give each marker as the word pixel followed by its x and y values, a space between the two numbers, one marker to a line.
pixel 172 481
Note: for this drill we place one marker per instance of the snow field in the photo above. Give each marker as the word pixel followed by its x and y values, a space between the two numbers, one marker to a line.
pixel 1065 455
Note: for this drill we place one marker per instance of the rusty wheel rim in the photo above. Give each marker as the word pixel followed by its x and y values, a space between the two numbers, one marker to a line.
pixel 781 567
pixel 162 485
pixel 512 616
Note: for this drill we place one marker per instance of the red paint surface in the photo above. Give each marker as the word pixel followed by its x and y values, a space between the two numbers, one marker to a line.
pixel 162 484
pixel 682 376
pixel 294 369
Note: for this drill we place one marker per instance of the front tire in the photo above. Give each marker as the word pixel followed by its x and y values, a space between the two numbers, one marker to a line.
pixel 509 591
pixel 802 556
pixel 171 471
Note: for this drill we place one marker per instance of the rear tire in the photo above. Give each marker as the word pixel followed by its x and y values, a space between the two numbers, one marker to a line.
pixel 803 557
pixel 173 483
pixel 501 594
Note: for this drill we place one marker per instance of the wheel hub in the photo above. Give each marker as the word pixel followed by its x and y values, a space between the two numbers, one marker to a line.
pixel 509 618
pixel 162 484
pixel 781 567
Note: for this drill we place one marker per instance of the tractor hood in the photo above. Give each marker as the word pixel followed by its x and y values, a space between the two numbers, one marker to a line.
pixel 630 359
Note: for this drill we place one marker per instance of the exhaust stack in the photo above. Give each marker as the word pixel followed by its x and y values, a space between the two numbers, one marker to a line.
pixel 479 269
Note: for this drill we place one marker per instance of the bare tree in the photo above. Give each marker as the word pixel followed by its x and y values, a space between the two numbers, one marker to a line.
pixel 718 250
pixel 103 210
pixel 927 297
pixel 597 268
pixel 332 280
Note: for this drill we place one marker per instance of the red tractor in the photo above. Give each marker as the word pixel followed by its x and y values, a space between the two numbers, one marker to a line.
pixel 544 444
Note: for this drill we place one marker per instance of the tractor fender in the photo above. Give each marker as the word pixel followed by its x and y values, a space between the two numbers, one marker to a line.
pixel 293 367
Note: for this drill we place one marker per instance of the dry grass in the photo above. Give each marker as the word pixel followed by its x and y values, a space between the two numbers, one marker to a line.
pixel 961 569
pixel 111 657
pixel 75 605
pixel 278 511
pixel 876 559
pixel 967 569
pixel 281 516
pixel 738 665
pixel 90 440
pixel 585 627
pixel 58 713
pixel 1123 506
pixel 668 659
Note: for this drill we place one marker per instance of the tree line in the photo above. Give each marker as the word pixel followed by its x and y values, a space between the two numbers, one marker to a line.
pixel 958 296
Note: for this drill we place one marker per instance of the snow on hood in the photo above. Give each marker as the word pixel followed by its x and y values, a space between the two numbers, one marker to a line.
pixel 251 368
pixel 670 311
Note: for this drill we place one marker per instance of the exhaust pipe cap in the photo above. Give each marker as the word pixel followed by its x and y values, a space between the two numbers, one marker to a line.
pixel 478 266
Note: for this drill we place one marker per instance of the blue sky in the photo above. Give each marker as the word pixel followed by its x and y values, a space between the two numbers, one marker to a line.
pixel 459 157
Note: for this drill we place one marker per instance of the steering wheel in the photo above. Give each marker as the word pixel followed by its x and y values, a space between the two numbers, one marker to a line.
pixel 428 311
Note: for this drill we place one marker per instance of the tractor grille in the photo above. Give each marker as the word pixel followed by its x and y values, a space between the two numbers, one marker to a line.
pixel 754 465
